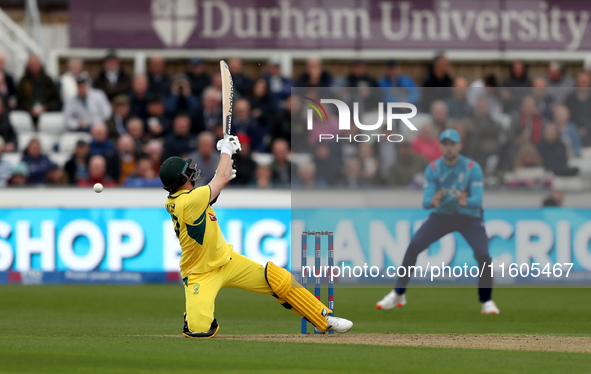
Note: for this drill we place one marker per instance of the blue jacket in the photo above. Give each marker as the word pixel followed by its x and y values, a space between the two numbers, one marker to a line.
pixel 401 89
pixel 465 175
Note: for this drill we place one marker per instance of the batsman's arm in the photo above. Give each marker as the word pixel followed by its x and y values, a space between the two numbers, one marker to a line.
pixel 222 176
pixel 476 188
pixel 429 188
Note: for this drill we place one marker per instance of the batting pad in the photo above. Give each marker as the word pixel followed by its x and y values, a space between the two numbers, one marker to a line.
pixel 287 288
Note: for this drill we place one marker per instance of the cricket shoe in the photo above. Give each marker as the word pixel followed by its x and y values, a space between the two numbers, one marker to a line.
pixel 490 307
pixel 391 301
pixel 336 324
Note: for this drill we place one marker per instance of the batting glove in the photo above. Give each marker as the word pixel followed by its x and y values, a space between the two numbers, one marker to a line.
pixel 229 145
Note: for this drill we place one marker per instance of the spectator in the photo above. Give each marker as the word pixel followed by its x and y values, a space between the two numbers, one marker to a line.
pixel 206 157
pixel 530 118
pixel 489 88
pixel 352 174
pixel 568 130
pixel 181 100
pixel 155 151
pixel 426 144
pixel 528 157
pixel 7 132
pixel 100 143
pixel 579 104
pixel 180 142
pixel 97 173
pixel 281 127
pixel 315 75
pixel 369 164
pixel 457 103
pixel 306 177
pixel 216 81
pixel 263 177
pixel 143 175
pixel 407 167
pixel 67 83
pixel 112 79
pixel 279 86
pixel 120 114
pixel 553 151
pixel 510 150
pixel 56 176
pixel 5 166
pixel 560 84
pixel 158 80
pixel 328 166
pixel 544 102
pixel 198 76
pixel 8 92
pixel 37 93
pixel 360 83
pixel 135 128
pixel 514 86
pixel 20 175
pixel 87 107
pixel 262 103
pixel 242 83
pixel 76 167
pixel 554 200
pixel 138 98
pixel 437 82
pixel 487 131
pixel 244 122
pixel 210 113
pixel 281 166
pixel 439 116
pixel 122 163
pixel 158 124
pixel 397 87
pixel 37 163
pixel 243 163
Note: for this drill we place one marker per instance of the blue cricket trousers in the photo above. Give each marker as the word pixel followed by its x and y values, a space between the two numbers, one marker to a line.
pixel 437 226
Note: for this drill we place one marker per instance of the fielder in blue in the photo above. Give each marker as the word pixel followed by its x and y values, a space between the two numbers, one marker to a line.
pixel 453 190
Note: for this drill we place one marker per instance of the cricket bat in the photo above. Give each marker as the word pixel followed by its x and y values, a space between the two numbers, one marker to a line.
pixel 227 98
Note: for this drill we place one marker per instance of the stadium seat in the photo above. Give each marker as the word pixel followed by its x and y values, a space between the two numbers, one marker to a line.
pixel 586 153
pixel 300 158
pixel 571 183
pixel 262 158
pixel 12 157
pixel 59 158
pixel 21 121
pixel 68 140
pixel 24 139
pixel 48 141
pixel 52 123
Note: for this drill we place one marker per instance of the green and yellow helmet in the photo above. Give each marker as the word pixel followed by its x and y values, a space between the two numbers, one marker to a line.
pixel 175 172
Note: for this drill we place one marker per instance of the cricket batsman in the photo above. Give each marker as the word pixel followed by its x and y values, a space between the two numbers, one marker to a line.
pixel 453 190
pixel 208 263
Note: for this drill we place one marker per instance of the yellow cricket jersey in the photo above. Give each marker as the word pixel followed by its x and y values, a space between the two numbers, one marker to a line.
pixel 203 246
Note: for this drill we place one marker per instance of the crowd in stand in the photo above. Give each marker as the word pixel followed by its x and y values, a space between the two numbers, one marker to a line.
pixel 135 122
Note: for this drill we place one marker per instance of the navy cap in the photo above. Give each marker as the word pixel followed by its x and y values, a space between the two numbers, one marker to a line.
pixel 451 135
pixel 392 62
pixel 195 61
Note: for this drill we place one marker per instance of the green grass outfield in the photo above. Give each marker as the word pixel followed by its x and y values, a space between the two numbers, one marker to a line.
pixel 114 329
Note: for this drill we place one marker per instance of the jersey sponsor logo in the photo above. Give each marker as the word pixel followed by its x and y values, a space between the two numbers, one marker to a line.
pixel 212 217
pixel 460 177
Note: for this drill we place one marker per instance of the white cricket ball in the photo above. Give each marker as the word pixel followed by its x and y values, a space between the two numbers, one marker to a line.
pixel 98 187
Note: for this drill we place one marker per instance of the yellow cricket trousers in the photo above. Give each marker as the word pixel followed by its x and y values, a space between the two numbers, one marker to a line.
pixel 202 289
